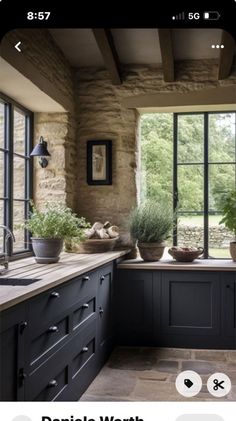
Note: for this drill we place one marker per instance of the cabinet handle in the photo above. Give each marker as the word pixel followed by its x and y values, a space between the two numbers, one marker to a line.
pixel 228 286
pixel 52 383
pixel 102 278
pixel 101 311
pixel 53 329
pixel 85 305
pixel 55 294
pixel 86 278
pixel 22 376
pixel 23 325
pixel 85 349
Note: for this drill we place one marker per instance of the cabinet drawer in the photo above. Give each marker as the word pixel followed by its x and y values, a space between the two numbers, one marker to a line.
pixel 56 301
pixel 86 310
pixel 47 339
pixel 52 378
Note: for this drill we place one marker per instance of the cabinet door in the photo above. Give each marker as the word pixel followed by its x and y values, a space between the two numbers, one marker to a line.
pixel 134 307
pixel 105 313
pixel 229 308
pixel 191 309
pixel 12 328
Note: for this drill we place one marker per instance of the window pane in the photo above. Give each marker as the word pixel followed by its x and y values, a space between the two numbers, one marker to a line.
pixel 19 133
pixel 222 137
pixel 157 157
pixel 221 180
pixel 19 178
pixel 190 138
pixel 190 187
pixel 18 218
pixel 1 125
pixel 190 230
pixel 219 238
pixel 1 174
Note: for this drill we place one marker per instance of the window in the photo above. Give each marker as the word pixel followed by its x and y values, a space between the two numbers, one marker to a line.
pixel 189 160
pixel 15 172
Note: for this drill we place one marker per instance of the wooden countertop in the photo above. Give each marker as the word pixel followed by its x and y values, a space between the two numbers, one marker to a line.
pixel 170 264
pixel 69 266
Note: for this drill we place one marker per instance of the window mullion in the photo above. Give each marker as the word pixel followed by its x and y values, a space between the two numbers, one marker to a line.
pixel 206 188
pixel 175 177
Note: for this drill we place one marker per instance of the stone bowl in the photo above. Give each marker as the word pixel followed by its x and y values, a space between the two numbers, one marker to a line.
pixel 183 254
pixel 95 245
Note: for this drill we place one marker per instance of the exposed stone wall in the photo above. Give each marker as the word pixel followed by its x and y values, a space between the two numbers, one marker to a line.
pixel 101 116
pixel 219 236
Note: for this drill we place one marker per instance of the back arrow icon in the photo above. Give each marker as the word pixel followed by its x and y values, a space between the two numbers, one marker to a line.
pixel 17 46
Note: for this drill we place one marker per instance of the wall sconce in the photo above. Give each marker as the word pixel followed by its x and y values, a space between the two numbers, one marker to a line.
pixel 41 150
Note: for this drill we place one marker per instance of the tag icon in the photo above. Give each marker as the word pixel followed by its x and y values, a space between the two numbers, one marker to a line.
pixel 188 383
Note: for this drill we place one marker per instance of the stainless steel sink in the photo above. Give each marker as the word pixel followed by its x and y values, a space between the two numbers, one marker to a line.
pixel 17 281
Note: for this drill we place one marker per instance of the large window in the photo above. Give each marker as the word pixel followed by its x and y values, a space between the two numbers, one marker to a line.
pixel 15 172
pixel 189 160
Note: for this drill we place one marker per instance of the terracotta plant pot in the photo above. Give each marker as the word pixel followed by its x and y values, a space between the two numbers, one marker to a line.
pixel 151 252
pixel 47 250
pixel 232 249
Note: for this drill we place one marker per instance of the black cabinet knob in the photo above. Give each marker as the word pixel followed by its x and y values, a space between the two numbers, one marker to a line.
pixel 85 349
pixel 101 311
pixel 55 294
pixel 85 305
pixel 53 329
pixel 102 278
pixel 228 286
pixel 86 278
pixel 22 376
pixel 52 383
pixel 23 325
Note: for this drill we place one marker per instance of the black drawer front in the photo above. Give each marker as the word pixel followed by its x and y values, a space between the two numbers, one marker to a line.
pixel 55 301
pixel 86 310
pixel 54 387
pixel 52 378
pixel 49 338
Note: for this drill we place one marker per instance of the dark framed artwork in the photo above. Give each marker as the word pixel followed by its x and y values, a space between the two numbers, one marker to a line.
pixel 99 162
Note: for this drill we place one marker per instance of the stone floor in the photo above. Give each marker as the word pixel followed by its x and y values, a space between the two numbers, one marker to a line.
pixel 148 374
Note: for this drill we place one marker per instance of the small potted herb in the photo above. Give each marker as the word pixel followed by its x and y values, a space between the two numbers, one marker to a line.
pixel 229 219
pixel 49 227
pixel 151 224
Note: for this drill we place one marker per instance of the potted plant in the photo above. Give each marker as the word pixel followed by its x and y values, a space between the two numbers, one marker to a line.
pixel 229 219
pixel 150 225
pixel 49 227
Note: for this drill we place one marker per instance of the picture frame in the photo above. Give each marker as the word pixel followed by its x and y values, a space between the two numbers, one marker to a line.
pixel 99 162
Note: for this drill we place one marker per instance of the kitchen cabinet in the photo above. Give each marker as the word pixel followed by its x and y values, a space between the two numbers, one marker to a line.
pixel 188 309
pixel 53 345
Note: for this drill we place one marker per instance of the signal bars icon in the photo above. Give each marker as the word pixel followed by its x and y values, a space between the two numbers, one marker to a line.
pixel 180 16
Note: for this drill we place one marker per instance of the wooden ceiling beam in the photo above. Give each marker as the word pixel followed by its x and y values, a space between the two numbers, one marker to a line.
pixel 226 55
pixel 166 46
pixel 107 48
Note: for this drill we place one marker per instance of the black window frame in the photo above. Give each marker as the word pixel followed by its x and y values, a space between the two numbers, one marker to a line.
pixel 9 154
pixel 206 165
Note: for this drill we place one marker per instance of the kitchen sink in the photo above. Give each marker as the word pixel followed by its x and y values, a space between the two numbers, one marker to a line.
pixel 17 281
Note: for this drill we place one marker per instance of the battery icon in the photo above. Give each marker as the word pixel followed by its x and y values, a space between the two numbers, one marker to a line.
pixel 211 15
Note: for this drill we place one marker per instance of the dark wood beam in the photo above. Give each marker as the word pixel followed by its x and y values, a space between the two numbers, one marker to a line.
pixel 106 45
pixel 165 40
pixel 226 55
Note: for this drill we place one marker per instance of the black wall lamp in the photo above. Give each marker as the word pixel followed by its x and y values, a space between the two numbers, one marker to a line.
pixel 41 150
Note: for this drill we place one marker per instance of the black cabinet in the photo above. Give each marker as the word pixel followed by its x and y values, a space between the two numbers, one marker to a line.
pixel 12 340
pixel 134 307
pixel 190 309
pixel 53 345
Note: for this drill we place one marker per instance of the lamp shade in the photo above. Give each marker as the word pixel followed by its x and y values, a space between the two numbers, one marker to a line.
pixel 40 149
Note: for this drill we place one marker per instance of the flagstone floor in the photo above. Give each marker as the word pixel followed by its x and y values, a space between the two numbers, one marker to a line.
pixel 148 374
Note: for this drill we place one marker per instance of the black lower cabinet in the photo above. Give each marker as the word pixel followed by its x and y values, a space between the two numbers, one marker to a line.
pixel 134 307
pixel 187 309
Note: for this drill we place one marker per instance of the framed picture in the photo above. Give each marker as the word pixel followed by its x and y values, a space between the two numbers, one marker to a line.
pixel 99 162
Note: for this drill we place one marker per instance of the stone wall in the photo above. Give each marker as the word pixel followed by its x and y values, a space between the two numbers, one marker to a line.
pixel 192 235
pixel 100 115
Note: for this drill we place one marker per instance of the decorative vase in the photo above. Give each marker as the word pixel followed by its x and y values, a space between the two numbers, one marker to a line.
pixel 232 249
pixel 151 252
pixel 47 250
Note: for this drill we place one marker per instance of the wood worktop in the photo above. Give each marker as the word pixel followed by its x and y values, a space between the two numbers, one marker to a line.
pixel 170 264
pixel 69 266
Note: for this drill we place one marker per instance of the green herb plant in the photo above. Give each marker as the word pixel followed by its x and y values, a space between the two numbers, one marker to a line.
pixel 56 221
pixel 151 222
pixel 229 212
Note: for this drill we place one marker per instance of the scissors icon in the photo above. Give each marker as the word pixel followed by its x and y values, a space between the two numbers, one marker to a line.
pixel 218 384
